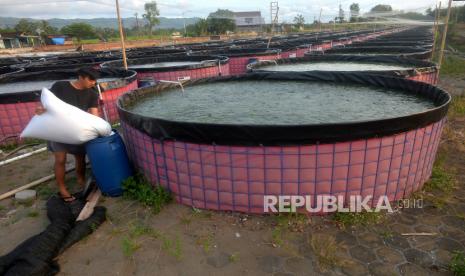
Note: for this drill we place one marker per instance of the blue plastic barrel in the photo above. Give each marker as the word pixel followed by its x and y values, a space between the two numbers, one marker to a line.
pixel 110 163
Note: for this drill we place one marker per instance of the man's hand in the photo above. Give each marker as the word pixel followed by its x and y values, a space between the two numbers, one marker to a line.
pixel 40 110
pixel 94 111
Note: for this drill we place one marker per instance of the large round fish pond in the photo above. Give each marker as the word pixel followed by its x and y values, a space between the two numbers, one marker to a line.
pixel 212 159
pixel 20 93
pixel 408 52
pixel 412 69
pixel 178 68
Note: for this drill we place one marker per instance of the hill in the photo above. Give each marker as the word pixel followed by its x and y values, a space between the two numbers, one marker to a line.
pixel 165 23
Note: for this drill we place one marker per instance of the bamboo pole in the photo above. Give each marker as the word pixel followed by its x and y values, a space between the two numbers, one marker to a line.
pixel 32 184
pixel 444 36
pixel 121 34
pixel 436 28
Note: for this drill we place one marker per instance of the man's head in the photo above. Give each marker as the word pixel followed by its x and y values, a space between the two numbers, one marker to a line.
pixel 87 77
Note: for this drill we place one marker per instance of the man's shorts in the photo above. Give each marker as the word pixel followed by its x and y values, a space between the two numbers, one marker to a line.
pixel 68 148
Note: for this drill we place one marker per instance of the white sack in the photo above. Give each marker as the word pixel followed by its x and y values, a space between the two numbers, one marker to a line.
pixel 64 123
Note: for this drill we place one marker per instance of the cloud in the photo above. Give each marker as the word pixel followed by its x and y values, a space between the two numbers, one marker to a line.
pixel 200 8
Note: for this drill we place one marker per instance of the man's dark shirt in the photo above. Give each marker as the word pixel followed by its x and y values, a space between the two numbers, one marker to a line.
pixel 83 99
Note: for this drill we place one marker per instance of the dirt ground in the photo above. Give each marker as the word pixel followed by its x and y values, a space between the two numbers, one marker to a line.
pixel 185 241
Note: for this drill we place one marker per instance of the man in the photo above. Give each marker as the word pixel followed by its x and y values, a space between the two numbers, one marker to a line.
pixel 79 93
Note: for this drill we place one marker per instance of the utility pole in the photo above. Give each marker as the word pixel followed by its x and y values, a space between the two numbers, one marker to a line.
pixel 121 34
pixel 319 18
pixel 444 36
pixel 184 21
pixel 137 22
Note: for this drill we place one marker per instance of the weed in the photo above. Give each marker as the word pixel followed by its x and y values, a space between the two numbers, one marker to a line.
pixel 453 66
pixel 186 219
pixel 2 207
pixel 44 192
pixel 129 246
pixel 33 214
pixel 277 236
pixel 234 257
pixel 172 247
pixel 441 180
pixel 325 248
pixel 386 234
pixel 457 264
pixel 137 188
pixel 206 242
pixel 457 106
pixel 361 218
pixel 138 230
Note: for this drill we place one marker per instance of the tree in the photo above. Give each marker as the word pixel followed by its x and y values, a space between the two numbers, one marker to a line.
pixel 79 30
pixel 221 21
pixel 26 26
pixel 381 8
pixel 200 28
pixel 105 34
pixel 299 21
pixel 354 12
pixel 44 29
pixel 151 15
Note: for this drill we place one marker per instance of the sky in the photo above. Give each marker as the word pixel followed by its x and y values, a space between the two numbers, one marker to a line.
pixel 45 9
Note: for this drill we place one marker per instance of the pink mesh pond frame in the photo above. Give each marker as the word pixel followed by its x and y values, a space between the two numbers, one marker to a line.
pixel 237 177
pixel 238 65
pixel 196 73
pixel 15 116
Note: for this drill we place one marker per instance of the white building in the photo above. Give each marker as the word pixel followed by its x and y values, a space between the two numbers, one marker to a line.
pixel 249 21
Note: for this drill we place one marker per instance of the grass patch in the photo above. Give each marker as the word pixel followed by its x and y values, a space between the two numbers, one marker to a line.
pixel 362 218
pixel 172 247
pixel 138 188
pixel 233 258
pixel 324 247
pixel 206 242
pixel 45 192
pixel 33 214
pixel 452 66
pixel 137 230
pixel 129 246
pixel 457 264
pixel 441 179
pixel 457 106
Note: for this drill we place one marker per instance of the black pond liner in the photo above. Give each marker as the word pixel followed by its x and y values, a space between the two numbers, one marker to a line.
pixel 375 43
pixel 64 64
pixel 237 52
pixel 206 61
pixel 418 66
pixel 409 52
pixel 7 70
pixel 36 255
pixel 125 77
pixel 253 135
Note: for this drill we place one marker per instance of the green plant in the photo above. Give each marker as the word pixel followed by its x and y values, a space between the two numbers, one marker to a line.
pixel 441 179
pixel 234 257
pixel 324 247
pixel 129 246
pixel 206 242
pixel 453 66
pixel 457 264
pixel 33 214
pixel 44 191
pixel 457 106
pixel 172 247
pixel 361 218
pixel 137 188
